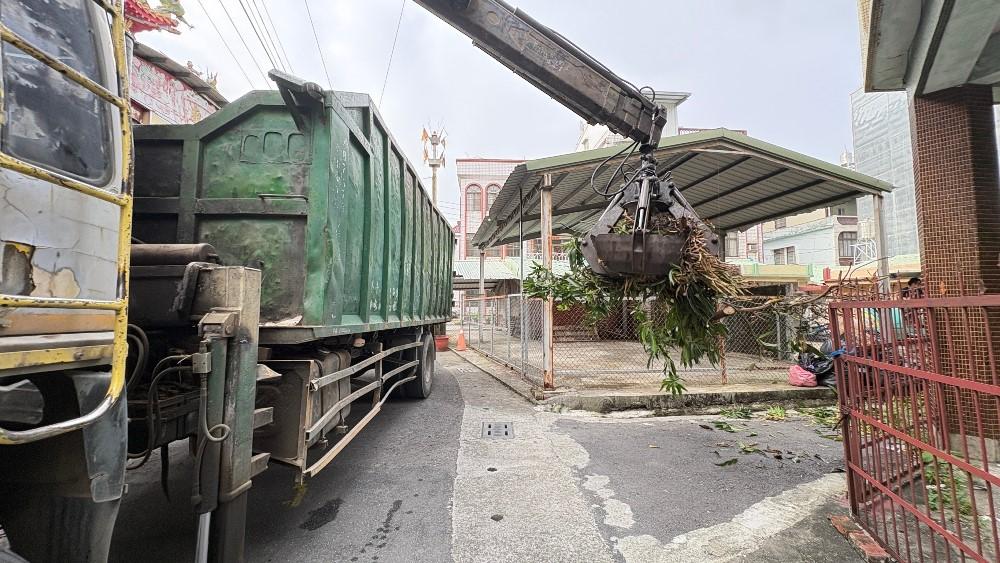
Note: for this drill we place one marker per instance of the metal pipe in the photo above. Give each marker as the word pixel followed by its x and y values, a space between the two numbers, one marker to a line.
pixel 204 525
pixel 520 287
pixel 881 250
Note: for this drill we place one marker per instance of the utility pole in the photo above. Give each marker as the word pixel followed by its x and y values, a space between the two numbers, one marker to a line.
pixel 435 139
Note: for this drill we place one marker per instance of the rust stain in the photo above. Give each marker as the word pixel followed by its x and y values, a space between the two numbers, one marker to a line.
pixel 61 283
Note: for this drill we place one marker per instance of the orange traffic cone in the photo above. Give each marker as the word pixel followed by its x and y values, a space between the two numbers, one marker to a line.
pixel 460 341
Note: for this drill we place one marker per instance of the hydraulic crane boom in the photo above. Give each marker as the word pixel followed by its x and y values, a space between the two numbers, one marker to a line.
pixel 556 66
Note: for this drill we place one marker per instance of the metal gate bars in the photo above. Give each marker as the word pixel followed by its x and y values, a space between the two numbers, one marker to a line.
pixel 920 396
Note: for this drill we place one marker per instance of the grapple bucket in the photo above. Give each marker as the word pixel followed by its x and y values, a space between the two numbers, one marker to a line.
pixel 658 221
pixel 650 255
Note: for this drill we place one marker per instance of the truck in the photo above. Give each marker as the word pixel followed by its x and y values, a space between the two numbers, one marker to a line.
pixel 257 284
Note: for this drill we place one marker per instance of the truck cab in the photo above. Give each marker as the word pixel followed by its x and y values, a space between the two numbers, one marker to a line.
pixel 64 238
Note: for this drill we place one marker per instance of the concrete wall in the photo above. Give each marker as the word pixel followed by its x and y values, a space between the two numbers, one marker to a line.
pixel 815 242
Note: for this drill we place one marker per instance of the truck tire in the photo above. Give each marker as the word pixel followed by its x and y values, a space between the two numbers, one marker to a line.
pixel 420 388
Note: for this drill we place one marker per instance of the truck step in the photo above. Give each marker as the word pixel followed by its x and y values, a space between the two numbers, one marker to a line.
pixel 258 463
pixel 263 417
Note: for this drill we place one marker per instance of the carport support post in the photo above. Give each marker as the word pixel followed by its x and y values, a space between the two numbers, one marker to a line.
pixel 482 292
pixel 882 248
pixel 548 379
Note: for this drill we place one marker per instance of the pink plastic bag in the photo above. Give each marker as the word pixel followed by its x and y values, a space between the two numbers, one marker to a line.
pixel 801 377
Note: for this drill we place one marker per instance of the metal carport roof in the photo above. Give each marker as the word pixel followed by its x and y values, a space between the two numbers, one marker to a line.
pixel 732 180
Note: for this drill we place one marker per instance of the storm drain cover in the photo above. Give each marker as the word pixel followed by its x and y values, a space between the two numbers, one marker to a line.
pixel 498 430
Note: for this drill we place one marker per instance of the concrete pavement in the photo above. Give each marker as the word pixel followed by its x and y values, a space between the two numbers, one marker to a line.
pixel 423 484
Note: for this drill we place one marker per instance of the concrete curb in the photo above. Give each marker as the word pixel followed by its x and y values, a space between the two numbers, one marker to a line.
pixel 512 381
pixel 697 402
pixel 700 402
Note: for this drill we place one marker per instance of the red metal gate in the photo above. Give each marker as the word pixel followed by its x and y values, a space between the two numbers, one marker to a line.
pixel 920 396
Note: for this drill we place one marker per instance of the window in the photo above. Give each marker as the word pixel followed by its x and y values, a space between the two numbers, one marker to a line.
pixel 845 244
pixel 493 252
pixel 49 120
pixel 491 196
pixel 732 245
pixel 558 246
pixel 513 250
pixel 779 223
pixel 790 255
pixel 473 208
pixel 752 249
pixel 470 251
pixel 779 256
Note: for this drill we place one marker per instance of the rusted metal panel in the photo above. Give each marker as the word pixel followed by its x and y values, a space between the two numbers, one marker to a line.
pixel 332 213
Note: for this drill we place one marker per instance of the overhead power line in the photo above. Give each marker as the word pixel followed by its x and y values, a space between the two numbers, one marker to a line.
pixel 245 46
pixel 319 48
pixel 392 51
pixel 269 37
pixel 281 44
pixel 256 31
pixel 226 44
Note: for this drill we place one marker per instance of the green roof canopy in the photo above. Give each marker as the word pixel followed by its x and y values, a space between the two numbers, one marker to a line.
pixel 732 180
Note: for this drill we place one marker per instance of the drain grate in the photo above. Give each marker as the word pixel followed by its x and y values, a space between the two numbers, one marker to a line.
pixel 498 430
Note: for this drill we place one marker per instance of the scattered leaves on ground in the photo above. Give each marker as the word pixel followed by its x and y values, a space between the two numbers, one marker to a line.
pixel 775 413
pixel 724 426
pixel 743 413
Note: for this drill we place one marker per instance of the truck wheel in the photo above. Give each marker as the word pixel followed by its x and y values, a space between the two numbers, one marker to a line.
pixel 420 388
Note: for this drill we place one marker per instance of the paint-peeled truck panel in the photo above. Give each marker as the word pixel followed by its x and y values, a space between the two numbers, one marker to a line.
pixel 328 208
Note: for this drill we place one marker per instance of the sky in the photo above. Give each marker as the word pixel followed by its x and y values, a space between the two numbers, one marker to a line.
pixel 781 69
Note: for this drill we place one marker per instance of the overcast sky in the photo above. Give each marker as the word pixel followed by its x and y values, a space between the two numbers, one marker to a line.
pixel 782 69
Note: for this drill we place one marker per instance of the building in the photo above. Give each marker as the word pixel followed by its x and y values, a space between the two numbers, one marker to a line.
pixel 827 240
pixel 881 127
pixel 166 92
pixel 163 91
pixel 883 149
pixel 747 245
pixel 479 182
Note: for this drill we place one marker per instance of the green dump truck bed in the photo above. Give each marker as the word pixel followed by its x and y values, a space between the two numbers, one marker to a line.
pixel 330 210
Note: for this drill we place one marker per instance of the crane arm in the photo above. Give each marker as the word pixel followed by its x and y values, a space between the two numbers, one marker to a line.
pixel 554 65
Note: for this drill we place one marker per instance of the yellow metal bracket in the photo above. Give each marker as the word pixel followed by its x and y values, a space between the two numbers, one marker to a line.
pixel 33 358
pixel 119 348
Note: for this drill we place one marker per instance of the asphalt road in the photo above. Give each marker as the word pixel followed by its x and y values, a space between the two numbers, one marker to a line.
pixel 385 498
pixel 422 483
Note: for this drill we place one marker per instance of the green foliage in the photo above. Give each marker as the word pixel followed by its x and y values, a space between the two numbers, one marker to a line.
pixel 724 426
pixel 945 487
pixel 775 413
pixel 675 314
pixel 824 416
pixel 736 412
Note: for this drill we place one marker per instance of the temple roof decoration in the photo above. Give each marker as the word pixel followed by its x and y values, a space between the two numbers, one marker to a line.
pixel 140 16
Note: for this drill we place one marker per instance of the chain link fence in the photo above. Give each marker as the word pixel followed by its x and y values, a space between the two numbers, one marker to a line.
pixel 608 354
